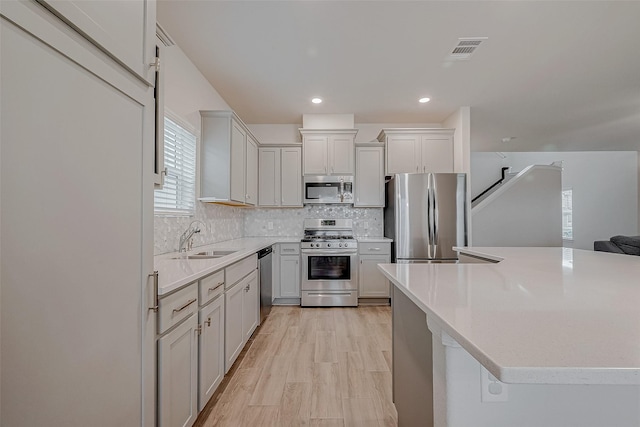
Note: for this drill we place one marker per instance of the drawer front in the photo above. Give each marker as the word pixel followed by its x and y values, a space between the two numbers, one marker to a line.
pixel 289 248
pixel 237 271
pixel 374 248
pixel 177 306
pixel 210 287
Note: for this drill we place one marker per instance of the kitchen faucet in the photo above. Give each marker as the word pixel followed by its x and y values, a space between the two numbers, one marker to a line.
pixel 188 233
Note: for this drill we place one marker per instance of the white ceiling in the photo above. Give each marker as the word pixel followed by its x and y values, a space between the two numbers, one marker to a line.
pixel 556 75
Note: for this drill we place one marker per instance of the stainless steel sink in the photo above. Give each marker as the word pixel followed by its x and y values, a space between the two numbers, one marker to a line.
pixel 205 255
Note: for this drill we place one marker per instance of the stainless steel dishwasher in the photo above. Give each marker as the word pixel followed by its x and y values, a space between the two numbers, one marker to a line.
pixel 264 266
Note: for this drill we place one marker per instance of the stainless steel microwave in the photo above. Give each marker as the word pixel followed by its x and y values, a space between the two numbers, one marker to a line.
pixel 328 189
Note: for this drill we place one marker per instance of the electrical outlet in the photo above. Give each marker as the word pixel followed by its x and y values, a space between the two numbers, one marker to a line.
pixel 493 390
pixel 270 225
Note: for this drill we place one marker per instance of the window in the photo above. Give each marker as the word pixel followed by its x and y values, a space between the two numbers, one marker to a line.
pixel 177 196
pixel 567 214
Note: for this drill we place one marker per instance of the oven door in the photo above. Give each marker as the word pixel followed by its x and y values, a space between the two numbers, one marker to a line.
pixel 326 270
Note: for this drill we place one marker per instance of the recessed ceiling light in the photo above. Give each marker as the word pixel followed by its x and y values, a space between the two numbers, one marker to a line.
pixel 316 100
pixel 424 100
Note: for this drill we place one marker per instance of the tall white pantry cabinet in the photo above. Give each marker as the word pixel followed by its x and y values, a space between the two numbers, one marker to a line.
pixel 76 224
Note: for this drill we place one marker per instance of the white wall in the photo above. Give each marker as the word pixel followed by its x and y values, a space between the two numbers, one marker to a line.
pixel 527 211
pixel 605 188
pixel 460 120
pixel 186 93
pixel 186 90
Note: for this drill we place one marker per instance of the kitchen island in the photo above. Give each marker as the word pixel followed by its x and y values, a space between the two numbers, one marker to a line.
pixel 542 337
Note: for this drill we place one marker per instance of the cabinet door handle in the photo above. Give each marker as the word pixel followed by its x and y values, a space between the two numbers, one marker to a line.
pixel 187 304
pixel 209 321
pixel 154 307
pixel 417 168
pixel 247 288
pixel 216 287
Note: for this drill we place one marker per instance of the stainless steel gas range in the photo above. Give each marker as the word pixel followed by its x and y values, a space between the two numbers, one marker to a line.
pixel 329 263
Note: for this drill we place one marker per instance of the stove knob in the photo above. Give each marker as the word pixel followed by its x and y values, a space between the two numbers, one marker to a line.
pixel 328 245
pixel 340 245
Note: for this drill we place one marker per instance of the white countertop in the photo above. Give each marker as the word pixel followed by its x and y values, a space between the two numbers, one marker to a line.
pixel 539 316
pixel 175 273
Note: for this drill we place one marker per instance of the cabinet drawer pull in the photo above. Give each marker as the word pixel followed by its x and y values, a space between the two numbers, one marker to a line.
pixel 216 287
pixel 187 304
pixel 288 250
pixel 375 249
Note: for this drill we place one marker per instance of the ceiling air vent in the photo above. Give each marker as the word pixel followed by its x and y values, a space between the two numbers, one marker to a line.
pixel 465 48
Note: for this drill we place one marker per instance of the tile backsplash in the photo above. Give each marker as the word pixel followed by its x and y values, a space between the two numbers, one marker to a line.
pixel 221 223
pixel 226 223
pixel 367 222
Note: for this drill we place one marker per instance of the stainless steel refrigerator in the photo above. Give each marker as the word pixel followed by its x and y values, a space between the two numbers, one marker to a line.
pixel 426 216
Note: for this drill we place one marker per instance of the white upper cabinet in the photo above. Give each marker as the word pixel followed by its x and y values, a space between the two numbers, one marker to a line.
pixel 116 30
pixel 418 150
pixel 369 178
pixel 228 160
pixel 251 172
pixel 328 152
pixel 280 182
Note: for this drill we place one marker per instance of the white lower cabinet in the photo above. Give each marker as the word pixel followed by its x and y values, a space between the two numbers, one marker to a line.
pixel 178 375
pixel 233 334
pixel 290 276
pixel 371 282
pixel 197 346
pixel 210 350
pixel 250 306
pixel 242 314
pixel 286 274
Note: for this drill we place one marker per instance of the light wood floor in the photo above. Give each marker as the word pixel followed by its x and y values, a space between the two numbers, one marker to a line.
pixel 311 367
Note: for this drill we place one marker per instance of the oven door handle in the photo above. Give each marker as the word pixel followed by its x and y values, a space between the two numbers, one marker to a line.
pixel 322 252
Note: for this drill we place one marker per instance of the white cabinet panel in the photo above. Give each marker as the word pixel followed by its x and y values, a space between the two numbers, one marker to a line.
pixel 418 150
pixel 369 179
pixel 291 176
pixel 328 152
pixel 437 154
pixel 341 155
pixel 402 154
pixel 228 160
pixel 178 375
pixel 315 155
pixel 250 306
pixel 233 333
pixel 373 284
pixel 290 276
pixel 251 168
pixel 210 350
pixel 280 176
pixel 269 182
pixel 238 161
pixel 125 29
pixel 70 179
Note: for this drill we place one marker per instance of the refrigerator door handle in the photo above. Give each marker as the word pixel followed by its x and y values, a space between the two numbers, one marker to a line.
pixel 434 215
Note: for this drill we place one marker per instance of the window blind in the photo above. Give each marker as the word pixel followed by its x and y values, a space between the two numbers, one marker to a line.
pixel 177 196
